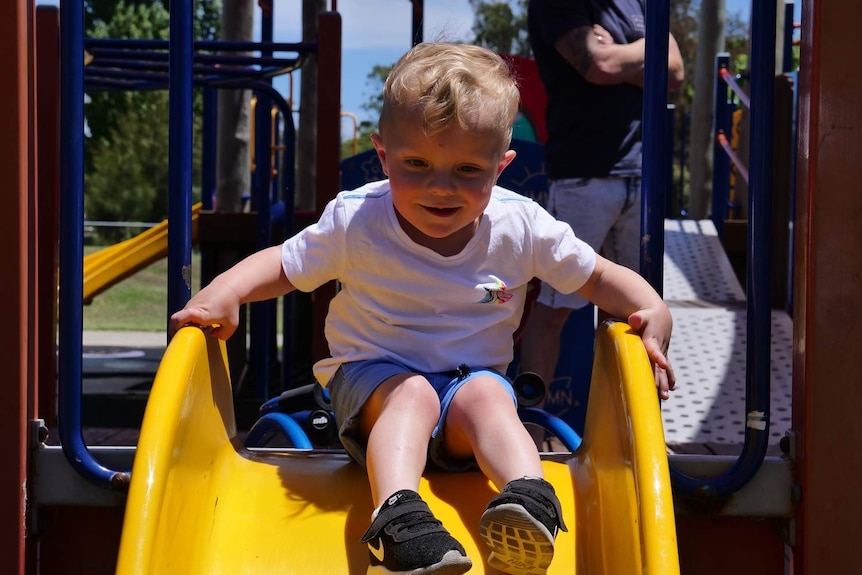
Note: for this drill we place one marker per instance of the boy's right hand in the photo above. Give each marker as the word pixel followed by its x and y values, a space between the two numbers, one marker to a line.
pixel 216 306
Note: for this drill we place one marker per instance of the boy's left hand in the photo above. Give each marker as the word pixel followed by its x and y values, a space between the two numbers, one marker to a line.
pixel 654 327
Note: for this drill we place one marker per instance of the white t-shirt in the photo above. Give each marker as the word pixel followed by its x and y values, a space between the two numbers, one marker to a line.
pixel 402 301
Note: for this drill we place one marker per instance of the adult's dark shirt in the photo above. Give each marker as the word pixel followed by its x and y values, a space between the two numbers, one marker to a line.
pixel 593 131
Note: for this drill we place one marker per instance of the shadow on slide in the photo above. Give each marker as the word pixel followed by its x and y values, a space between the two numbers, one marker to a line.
pixel 201 503
pixel 113 264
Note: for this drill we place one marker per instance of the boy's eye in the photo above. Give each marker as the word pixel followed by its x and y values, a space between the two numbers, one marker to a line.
pixel 416 163
pixel 469 169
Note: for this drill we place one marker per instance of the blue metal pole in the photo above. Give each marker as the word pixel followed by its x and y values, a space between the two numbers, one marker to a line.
pixel 180 87
pixel 759 265
pixel 720 160
pixel 654 127
pixel 209 148
pixel 262 313
pixel 682 210
pixel 758 292
pixel 71 326
pixel 288 171
pixel 787 55
pixel 670 121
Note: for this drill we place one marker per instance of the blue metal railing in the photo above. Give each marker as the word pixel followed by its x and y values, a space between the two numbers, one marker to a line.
pixel 758 304
pixel 180 81
pixel 71 325
pixel 180 99
pixel 655 130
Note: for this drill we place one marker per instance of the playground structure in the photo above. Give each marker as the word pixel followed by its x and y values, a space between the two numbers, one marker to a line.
pixel 820 527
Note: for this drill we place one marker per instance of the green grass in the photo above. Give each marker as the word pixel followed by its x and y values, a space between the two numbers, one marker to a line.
pixel 138 303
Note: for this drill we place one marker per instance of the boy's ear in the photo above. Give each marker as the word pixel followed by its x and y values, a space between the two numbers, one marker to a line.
pixel 505 161
pixel 381 151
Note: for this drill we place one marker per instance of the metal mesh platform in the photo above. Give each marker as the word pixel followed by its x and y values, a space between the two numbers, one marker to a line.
pixel 706 414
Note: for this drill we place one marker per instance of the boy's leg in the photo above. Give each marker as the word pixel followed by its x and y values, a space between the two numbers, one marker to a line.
pixel 391 413
pixel 482 422
pixel 519 527
pixel 406 538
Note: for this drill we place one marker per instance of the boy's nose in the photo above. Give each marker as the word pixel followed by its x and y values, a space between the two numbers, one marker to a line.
pixel 442 184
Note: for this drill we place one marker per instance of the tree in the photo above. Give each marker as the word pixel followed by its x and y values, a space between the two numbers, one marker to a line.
pixel 126 157
pixel 375 79
pixel 501 26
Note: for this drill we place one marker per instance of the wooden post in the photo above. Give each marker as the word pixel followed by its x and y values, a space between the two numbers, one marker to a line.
pixel 828 270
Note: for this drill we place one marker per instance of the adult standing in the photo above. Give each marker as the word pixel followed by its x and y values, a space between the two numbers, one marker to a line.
pixel 590 56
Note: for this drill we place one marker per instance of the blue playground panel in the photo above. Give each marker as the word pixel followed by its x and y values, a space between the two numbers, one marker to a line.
pixel 568 392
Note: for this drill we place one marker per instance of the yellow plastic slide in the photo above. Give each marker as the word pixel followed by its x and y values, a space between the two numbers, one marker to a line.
pixel 202 504
pixel 109 266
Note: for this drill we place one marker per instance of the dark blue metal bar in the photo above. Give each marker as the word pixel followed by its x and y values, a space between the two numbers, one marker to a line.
pixel 288 190
pixel 758 304
pixel 720 161
pixel 180 154
pixel 655 183
pixel 209 147
pixel 759 285
pixel 682 211
pixel 670 121
pixel 417 19
pixel 71 326
pixel 121 69
pixel 787 53
pixel 793 159
pixel 208 45
pixel 124 58
pixel 263 313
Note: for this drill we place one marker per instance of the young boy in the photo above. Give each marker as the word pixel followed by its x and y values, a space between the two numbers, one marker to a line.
pixel 434 264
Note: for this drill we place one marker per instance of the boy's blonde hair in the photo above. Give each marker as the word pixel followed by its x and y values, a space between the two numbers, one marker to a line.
pixel 448 83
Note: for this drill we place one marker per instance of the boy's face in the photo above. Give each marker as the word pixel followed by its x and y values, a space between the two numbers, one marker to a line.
pixel 441 184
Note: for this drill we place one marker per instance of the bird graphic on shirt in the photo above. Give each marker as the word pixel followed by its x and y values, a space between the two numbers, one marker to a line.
pixel 495 292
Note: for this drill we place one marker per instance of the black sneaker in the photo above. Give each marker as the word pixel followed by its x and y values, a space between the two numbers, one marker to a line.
pixel 407 539
pixel 519 527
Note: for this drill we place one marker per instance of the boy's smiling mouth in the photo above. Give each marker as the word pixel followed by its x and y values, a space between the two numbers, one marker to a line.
pixel 442 212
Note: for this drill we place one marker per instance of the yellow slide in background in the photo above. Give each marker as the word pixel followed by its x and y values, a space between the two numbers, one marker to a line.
pixel 111 265
pixel 201 503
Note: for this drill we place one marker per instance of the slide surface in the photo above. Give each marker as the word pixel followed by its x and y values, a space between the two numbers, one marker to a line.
pixel 201 503
pixel 111 265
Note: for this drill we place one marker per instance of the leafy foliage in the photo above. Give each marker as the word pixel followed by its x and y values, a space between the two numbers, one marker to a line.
pixel 126 157
pixel 501 26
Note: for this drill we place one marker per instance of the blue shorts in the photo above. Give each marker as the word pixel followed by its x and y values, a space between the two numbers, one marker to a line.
pixel 354 382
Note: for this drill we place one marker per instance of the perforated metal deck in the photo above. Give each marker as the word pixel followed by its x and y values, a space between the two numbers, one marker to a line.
pixel 706 414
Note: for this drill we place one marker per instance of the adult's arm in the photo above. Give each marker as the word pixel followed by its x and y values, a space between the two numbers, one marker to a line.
pixel 592 52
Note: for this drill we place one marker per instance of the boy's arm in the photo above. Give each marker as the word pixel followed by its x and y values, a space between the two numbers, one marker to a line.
pixel 592 52
pixel 258 277
pixel 625 294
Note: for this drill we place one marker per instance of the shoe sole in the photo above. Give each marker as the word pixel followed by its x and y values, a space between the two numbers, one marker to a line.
pixel 452 563
pixel 519 544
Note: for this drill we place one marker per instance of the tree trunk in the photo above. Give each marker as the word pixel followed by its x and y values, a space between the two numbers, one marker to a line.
pixel 306 157
pixel 710 34
pixel 234 116
pixel 233 135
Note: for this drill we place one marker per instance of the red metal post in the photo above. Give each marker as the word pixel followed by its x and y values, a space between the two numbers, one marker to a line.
pixel 828 271
pixel 16 180
pixel 328 151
